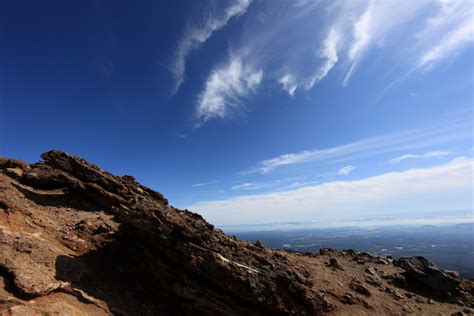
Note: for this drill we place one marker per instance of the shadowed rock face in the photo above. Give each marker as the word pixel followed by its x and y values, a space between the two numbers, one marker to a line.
pixel 113 242
pixel 427 273
pixel 77 240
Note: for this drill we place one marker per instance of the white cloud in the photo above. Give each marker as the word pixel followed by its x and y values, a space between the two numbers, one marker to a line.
pixel 450 45
pixel 205 183
pixel 283 37
pixel 419 138
pixel 197 35
pixel 447 7
pixel 444 36
pixel 431 154
pixel 449 13
pixel 346 170
pixel 246 186
pixel 260 185
pixel 225 89
pixel 384 22
pixel 329 53
pixel 428 219
pixel 443 187
pixel 362 36
pixel 288 83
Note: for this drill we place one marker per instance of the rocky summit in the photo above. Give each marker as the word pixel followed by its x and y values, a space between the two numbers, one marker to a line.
pixel 77 240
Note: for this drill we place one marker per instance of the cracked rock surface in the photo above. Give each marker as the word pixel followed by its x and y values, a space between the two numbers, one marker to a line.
pixel 76 240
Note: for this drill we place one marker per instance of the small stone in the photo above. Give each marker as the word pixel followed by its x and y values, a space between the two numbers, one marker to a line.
pixel 348 299
pixel 351 252
pixel 408 309
pixel 371 270
pixel 395 293
pixel 382 261
pixel 359 288
pixel 326 251
pixel 333 262
pixel 372 279
pixel 366 304
pixel 430 301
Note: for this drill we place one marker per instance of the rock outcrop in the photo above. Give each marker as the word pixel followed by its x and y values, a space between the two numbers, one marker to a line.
pixel 77 240
pixel 428 273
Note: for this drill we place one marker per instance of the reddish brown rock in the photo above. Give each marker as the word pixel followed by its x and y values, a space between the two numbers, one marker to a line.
pixel 75 228
pixel 77 240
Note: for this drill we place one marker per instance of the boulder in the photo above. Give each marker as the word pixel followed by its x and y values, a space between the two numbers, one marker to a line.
pixel 426 272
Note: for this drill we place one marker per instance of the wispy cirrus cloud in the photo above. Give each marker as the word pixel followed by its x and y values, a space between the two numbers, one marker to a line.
pixel 450 45
pixel 329 54
pixel 349 30
pixel 300 44
pixel 443 36
pixel 414 139
pixel 431 154
pixel 248 186
pixel 196 35
pixel 202 184
pixel 225 89
pixel 362 36
pixel 443 187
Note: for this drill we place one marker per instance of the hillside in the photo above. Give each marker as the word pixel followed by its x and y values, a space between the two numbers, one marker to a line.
pixel 76 240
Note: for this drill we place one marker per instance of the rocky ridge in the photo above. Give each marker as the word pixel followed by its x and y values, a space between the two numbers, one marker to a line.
pixel 76 240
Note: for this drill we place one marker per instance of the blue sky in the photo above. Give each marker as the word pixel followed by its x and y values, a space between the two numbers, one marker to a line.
pixel 251 111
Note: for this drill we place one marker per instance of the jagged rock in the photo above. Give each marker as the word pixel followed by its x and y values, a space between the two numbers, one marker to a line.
pixel 381 260
pixel 333 262
pixel 76 240
pixel 453 274
pixel 30 260
pixel 425 271
pixel 359 288
pixel 12 163
pixel 348 299
pixel 326 251
pixel 15 173
pixel 373 280
pixel 372 277
pixel 371 271
pixel 91 229
pixel 394 293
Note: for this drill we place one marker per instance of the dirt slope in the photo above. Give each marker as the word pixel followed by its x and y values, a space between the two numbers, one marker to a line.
pixel 77 240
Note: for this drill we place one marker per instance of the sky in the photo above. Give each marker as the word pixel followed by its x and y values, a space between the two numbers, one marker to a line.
pixel 251 111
